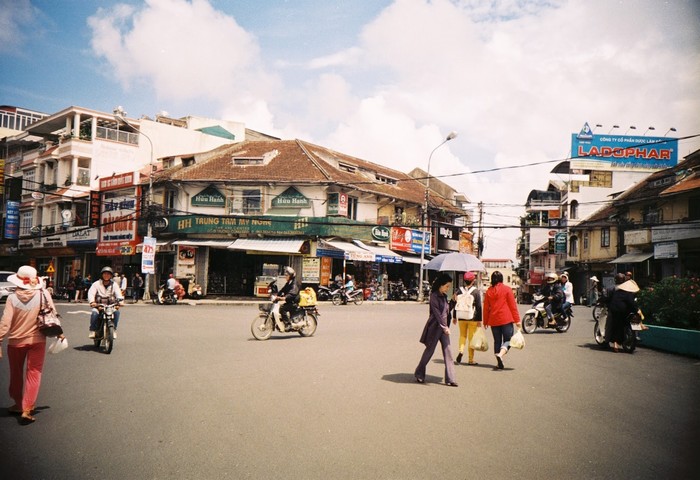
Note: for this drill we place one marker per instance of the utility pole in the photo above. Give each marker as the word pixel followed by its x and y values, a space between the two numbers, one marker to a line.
pixel 480 241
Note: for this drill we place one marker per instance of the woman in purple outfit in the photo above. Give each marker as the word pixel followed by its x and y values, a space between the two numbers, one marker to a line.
pixel 437 329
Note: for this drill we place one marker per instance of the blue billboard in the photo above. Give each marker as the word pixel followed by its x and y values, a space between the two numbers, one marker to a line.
pixel 622 152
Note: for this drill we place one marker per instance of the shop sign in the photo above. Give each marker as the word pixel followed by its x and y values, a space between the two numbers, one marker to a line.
pixel 448 237
pixel 117 181
pixel 337 204
pixel 12 220
pixel 679 231
pixel 95 208
pixel 637 237
pixel 81 235
pixel 186 254
pixel 118 223
pixel 560 243
pixel 290 198
pixel 148 255
pixel 665 250
pixel 381 234
pixel 622 152
pixel 209 197
pixel 310 270
pixel 409 240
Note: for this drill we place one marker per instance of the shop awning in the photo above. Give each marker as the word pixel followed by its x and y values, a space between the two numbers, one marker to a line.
pixel 413 259
pixel 273 245
pixel 204 243
pixel 346 250
pixel 633 257
pixel 381 254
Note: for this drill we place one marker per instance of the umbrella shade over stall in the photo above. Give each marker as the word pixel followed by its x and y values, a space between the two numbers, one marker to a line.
pixel 455 262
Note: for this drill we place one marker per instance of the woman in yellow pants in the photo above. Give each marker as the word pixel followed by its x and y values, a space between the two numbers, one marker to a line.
pixel 468 314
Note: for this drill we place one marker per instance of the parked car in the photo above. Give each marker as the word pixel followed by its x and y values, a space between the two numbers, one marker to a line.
pixel 6 288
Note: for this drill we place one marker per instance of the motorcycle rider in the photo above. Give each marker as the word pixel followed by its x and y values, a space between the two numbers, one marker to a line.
pixel 349 287
pixel 554 296
pixel 290 294
pixel 103 292
pixel 568 289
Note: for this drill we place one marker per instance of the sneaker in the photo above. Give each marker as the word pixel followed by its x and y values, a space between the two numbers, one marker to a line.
pixel 500 362
pixel 114 334
pixel 92 334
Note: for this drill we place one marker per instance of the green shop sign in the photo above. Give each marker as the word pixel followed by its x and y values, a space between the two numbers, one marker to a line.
pixel 271 225
pixel 290 198
pixel 209 197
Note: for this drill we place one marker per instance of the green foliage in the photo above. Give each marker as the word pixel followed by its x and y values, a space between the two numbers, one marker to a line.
pixel 672 302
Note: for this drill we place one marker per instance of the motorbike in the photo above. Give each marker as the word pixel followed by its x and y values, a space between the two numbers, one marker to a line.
pixel 164 296
pixel 303 319
pixel 537 317
pixel 326 293
pixel 633 324
pixel 104 335
pixel 357 296
pixel 397 291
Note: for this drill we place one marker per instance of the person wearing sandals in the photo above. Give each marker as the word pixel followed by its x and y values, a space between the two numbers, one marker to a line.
pixel 437 329
pixel 25 343
pixel 470 319
pixel 500 313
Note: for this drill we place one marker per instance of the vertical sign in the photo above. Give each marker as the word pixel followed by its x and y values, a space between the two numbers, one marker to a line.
pixel 148 255
pixel 94 209
pixel 12 220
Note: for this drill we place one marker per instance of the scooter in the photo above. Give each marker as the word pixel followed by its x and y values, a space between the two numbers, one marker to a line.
pixel 537 317
pixel 164 296
pixel 356 296
pixel 629 342
pixel 303 319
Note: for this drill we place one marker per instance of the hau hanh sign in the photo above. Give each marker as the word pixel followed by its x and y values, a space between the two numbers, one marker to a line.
pixel 290 198
pixel 209 197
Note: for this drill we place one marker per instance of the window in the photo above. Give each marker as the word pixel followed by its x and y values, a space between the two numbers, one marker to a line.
pixel 605 237
pixel 352 208
pixel 83 172
pixel 585 241
pixel 170 200
pixel 248 161
pixel 573 246
pixel 652 215
pixel 81 214
pixel 28 183
pixel 600 179
pixel 252 201
pixel 694 208
pixel 26 222
pixel 573 209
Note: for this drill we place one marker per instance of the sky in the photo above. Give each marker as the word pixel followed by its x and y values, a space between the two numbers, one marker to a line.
pixel 385 81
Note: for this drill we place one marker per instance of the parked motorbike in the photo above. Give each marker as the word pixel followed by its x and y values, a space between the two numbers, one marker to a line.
pixel 397 291
pixel 104 335
pixel 356 296
pixel 303 319
pixel 629 342
pixel 164 296
pixel 537 317
pixel 326 293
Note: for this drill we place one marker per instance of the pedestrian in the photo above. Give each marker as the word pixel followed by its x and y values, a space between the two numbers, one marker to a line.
pixel 468 314
pixel 78 287
pixel 437 329
pixel 593 292
pixel 137 287
pixel 500 313
pixel 621 305
pixel 25 343
pixel 87 283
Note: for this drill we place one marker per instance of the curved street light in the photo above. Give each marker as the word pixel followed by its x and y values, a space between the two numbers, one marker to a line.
pixel 120 116
pixel 449 137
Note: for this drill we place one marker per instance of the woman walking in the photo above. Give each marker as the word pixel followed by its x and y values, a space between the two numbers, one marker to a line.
pixel 25 344
pixel 500 313
pixel 437 329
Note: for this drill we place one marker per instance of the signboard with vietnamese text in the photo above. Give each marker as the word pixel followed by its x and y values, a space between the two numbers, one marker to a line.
pixel 118 223
pixel 290 198
pixel 209 197
pixel 409 240
pixel 11 220
pixel 148 255
pixel 337 204
pixel 623 152
pixel 310 270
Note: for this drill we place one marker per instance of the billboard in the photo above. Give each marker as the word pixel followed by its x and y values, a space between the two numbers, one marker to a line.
pixel 622 152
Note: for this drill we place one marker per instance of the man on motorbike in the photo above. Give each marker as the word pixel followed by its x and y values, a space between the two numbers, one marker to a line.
pixel 104 292
pixel 554 295
pixel 290 294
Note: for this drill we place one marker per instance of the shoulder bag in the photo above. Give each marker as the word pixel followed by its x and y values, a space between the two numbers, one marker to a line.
pixel 48 319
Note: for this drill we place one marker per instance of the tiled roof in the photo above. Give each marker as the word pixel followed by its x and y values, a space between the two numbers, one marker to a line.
pixel 297 162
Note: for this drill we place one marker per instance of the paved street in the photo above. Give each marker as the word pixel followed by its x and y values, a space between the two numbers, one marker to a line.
pixel 188 394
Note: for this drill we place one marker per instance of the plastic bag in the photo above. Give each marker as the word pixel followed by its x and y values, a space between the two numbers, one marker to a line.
pixel 59 345
pixel 517 340
pixel 479 341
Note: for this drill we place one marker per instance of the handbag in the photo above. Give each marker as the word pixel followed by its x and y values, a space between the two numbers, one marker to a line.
pixel 48 319
pixel 479 341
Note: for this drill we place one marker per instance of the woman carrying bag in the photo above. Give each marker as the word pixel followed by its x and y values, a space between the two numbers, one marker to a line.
pixel 25 342
pixel 500 313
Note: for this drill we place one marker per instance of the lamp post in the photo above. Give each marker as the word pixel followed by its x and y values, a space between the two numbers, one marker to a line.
pixel 120 116
pixel 449 137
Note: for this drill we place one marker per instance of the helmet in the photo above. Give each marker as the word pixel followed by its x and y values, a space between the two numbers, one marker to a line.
pixel 107 269
pixel 289 271
pixel 551 277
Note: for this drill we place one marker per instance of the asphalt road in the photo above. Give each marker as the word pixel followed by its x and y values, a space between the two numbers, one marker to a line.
pixel 187 393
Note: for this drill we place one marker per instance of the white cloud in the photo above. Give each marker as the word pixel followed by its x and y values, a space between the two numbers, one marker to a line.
pixel 186 50
pixel 14 14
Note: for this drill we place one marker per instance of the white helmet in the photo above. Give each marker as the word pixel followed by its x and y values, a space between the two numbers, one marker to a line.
pixel 551 277
pixel 289 271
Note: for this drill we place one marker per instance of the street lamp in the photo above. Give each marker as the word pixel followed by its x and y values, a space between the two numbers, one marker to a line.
pixel 449 137
pixel 120 116
pixel 648 128
pixel 672 129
